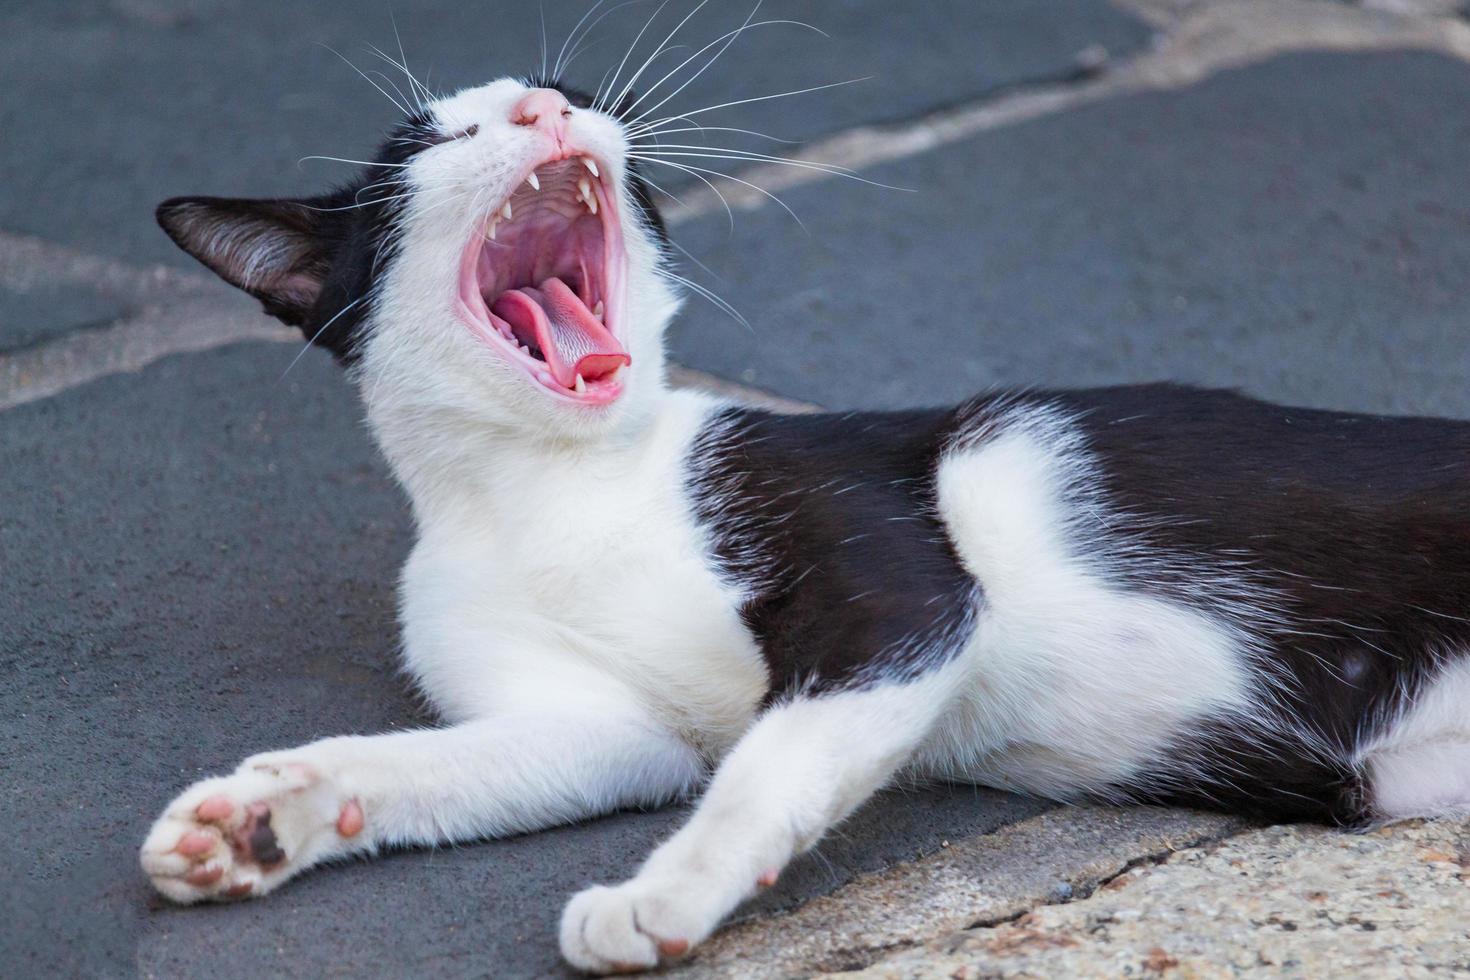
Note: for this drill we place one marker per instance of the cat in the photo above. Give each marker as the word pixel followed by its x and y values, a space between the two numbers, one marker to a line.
pixel 623 594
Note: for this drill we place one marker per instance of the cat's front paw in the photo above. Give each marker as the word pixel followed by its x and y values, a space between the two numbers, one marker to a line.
pixel 630 927
pixel 241 835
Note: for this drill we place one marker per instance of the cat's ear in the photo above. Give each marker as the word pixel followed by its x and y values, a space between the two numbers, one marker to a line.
pixel 275 250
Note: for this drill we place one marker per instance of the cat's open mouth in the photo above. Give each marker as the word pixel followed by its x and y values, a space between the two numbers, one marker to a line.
pixel 541 281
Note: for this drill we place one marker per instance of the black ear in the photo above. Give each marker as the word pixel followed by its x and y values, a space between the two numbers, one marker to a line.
pixel 275 250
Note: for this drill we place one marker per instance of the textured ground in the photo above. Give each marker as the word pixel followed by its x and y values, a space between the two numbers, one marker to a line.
pixel 197 553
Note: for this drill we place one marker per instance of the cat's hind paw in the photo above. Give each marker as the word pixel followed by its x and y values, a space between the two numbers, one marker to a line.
pixel 241 835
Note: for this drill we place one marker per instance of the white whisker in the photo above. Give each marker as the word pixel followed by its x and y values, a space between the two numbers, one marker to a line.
pixel 720 173
pixel 319 332
pixel 597 102
pixel 716 129
pixel 401 107
pixel 360 163
pixel 709 295
pixel 636 75
pixel 725 153
pixel 634 130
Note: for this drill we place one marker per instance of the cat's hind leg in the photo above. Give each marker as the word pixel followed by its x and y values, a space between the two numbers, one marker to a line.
pixel 1420 766
pixel 802 767
pixel 280 813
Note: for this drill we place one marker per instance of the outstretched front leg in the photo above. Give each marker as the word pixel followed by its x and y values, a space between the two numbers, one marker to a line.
pixel 804 766
pixel 282 812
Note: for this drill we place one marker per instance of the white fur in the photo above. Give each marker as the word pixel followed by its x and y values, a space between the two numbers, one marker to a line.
pixel 1076 684
pixel 801 768
pixel 1421 765
pixel 561 611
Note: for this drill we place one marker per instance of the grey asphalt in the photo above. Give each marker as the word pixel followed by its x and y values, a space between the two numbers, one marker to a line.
pixel 209 554
pixel 198 559
pixel 1299 229
pixel 114 105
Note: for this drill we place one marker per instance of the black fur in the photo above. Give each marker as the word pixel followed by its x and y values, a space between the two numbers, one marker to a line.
pixel 1350 533
pixel 829 521
pixel 1359 524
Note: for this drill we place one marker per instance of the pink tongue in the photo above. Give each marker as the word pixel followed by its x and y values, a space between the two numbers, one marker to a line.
pixel 570 337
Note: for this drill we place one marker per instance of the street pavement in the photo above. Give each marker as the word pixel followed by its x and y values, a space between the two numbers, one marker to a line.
pixel 1299 229
pixel 199 558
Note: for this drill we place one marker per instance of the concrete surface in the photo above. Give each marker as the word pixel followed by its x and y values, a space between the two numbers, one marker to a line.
pixel 1053 857
pixel 197 556
pixel 1278 902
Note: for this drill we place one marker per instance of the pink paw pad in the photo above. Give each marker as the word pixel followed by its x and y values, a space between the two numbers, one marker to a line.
pixel 350 820
pixel 673 947
pixel 767 878
pixel 195 843
pixel 215 808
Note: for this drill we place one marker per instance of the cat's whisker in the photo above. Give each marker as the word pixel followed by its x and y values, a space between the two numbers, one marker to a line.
pixel 315 336
pixel 729 39
pixel 729 212
pixel 541 10
pixel 597 103
pixel 628 86
pixel 416 88
pixel 389 81
pixel 573 39
pixel 677 148
pixel 360 163
pixel 401 107
pixel 688 168
pixel 710 295
pixel 723 153
pixel 423 91
pixel 634 130
pixel 717 129
pixel 691 257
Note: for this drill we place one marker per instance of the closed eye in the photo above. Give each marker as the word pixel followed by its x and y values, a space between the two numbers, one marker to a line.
pixel 435 138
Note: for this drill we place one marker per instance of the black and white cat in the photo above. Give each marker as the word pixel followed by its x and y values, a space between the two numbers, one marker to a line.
pixel 622 593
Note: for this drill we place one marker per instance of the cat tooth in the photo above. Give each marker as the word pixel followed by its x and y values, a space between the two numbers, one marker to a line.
pixel 584 189
pixel 597 310
pixel 505 210
pixel 590 165
pixel 490 232
pixel 580 387
pixel 531 179
pixel 592 203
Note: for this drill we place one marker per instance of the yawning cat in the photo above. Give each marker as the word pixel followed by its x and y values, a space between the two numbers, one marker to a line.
pixel 622 594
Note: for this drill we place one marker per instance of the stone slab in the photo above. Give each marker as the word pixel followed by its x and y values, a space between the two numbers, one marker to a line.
pixel 1283 901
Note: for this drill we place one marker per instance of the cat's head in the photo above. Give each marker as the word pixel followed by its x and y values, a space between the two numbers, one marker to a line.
pixel 499 261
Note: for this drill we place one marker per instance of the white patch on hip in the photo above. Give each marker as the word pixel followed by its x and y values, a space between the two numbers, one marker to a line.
pixel 1081 679
pixel 1420 766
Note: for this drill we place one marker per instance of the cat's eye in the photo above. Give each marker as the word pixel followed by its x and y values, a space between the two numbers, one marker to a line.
pixel 436 138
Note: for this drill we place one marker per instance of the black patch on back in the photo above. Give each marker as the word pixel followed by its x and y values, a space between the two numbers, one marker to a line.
pixel 1359 524
pixel 828 522
pixel 1352 533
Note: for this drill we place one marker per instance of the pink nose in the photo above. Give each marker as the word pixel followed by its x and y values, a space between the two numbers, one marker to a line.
pixel 544 108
